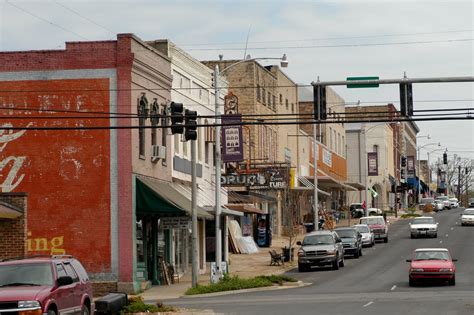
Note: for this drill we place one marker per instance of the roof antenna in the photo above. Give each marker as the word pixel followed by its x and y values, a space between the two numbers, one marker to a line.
pixel 247 42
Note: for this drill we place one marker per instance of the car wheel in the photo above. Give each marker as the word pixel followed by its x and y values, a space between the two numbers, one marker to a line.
pixel 436 235
pixel 302 268
pixel 411 283
pixel 385 240
pixel 356 255
pixel 85 310
pixel 452 281
pixel 335 265
pixel 412 236
pixel 51 312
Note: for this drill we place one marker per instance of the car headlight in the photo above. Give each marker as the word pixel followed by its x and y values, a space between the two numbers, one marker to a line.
pixel 301 253
pixel 446 269
pixel 28 304
pixel 417 270
pixel 331 252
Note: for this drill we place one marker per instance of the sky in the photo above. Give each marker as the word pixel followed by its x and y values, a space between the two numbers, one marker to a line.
pixel 329 40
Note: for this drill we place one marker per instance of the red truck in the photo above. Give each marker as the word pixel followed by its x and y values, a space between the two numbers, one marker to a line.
pixel 51 285
pixel 377 225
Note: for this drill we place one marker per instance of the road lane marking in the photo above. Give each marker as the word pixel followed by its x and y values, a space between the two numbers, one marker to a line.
pixel 371 302
pixel 440 242
pixel 393 288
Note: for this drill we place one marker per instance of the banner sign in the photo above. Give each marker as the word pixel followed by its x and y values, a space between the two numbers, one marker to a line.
pixel 372 164
pixel 411 166
pixel 327 157
pixel 232 142
pixel 271 178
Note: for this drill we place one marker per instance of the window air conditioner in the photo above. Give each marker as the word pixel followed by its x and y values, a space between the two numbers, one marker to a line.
pixel 158 152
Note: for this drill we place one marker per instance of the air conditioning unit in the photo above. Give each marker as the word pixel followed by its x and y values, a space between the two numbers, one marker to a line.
pixel 158 152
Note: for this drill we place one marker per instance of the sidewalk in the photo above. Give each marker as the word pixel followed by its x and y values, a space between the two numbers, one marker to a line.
pixel 242 265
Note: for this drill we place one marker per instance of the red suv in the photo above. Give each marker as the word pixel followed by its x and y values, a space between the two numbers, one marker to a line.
pixel 39 285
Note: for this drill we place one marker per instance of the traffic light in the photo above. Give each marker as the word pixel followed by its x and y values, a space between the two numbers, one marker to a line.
pixel 190 117
pixel 445 158
pixel 319 102
pixel 176 110
pixel 406 99
pixel 404 161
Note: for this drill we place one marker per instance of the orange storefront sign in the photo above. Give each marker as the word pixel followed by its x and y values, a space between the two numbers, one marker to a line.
pixel 328 163
pixel 66 173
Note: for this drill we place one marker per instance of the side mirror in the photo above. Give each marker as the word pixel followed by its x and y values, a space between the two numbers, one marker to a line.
pixel 454 260
pixel 408 260
pixel 64 280
pixel 298 243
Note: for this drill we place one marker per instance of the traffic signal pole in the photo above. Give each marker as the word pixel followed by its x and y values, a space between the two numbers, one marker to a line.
pixel 217 160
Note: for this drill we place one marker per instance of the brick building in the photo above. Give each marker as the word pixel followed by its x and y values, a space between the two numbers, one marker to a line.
pixel 13 232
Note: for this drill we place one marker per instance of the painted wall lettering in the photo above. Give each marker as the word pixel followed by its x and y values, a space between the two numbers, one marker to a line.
pixel 53 246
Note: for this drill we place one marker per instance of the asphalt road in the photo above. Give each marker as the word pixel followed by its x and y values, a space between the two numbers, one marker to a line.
pixel 376 283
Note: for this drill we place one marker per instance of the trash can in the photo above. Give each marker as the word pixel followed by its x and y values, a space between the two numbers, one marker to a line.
pixel 286 253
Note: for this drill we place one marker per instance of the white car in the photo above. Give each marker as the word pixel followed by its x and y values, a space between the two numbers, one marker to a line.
pixel 423 226
pixel 445 201
pixel 467 218
pixel 438 205
pixel 374 211
pixel 454 202
pixel 368 237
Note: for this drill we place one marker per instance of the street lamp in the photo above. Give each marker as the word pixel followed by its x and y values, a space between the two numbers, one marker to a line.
pixel 419 169
pixel 217 151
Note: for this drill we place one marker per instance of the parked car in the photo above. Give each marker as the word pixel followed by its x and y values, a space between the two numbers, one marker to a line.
pixel 49 285
pixel 425 203
pixel 445 201
pixel 471 202
pixel 368 238
pixel 357 210
pixel 320 248
pixel 351 241
pixel 438 205
pixel 377 225
pixel 431 264
pixel 467 217
pixel 454 203
pixel 423 226
pixel 374 211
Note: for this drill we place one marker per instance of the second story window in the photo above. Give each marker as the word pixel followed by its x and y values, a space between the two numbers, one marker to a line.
pixel 154 118
pixel 142 111
pixel 264 101
pixel 258 92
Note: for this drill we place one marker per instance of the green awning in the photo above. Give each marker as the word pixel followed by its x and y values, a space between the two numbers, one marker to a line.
pixel 165 199
pixel 149 201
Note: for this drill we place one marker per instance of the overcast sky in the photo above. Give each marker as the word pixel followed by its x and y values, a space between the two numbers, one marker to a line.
pixel 331 40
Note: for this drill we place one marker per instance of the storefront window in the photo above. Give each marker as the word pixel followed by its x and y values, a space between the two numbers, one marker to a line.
pixel 139 241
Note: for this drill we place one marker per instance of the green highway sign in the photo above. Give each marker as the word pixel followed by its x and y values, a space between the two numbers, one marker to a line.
pixel 362 85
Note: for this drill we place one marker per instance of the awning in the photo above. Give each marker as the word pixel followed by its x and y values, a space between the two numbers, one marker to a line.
pixel 309 186
pixel 414 183
pixel 357 186
pixel 8 211
pixel 247 208
pixel 248 197
pixel 224 211
pixel 165 198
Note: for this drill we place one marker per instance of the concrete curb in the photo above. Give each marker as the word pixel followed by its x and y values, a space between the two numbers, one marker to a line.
pixel 286 285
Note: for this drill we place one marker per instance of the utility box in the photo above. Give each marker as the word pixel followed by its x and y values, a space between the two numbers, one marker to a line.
pixel 111 304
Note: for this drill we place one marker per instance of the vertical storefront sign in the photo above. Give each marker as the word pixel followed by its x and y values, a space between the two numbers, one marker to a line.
pixel 232 142
pixel 372 164
pixel 411 166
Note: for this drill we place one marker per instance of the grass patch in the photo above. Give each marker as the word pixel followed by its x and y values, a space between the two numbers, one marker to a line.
pixel 410 215
pixel 138 306
pixel 229 283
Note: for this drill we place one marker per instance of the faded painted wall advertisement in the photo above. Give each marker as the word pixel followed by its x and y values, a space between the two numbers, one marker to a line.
pixel 66 173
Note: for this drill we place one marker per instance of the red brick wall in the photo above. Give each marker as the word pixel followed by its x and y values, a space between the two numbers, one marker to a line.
pixel 13 231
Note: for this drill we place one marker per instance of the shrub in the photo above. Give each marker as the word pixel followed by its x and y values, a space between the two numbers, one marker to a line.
pixel 138 306
pixel 229 283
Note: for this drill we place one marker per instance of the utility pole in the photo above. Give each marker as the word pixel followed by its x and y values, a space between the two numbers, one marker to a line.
pixel 194 216
pixel 217 162
pixel 315 163
pixel 459 182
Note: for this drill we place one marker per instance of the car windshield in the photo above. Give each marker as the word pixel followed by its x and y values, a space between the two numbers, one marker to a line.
pixel 318 240
pixel 442 198
pixel 346 233
pixel 424 221
pixel 26 274
pixel 469 211
pixel 363 229
pixel 372 221
pixel 426 200
pixel 431 255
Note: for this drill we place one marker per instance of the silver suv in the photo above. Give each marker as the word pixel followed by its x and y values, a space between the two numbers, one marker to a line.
pixel 320 248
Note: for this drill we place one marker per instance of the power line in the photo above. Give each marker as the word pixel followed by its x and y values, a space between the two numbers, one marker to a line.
pixel 338 46
pixel 308 122
pixel 330 38
pixel 45 20
pixel 84 17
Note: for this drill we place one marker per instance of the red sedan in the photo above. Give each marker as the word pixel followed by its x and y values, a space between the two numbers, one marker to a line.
pixel 432 264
